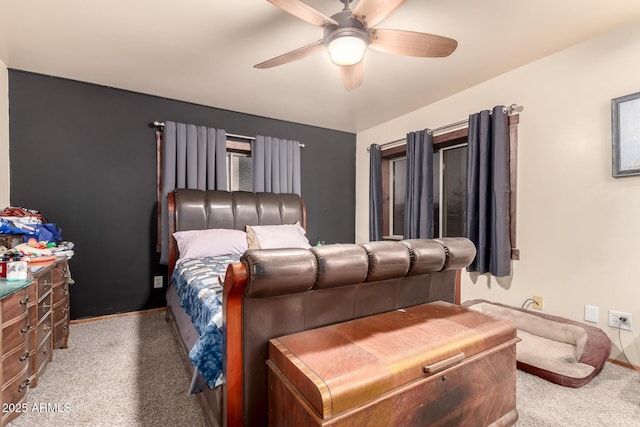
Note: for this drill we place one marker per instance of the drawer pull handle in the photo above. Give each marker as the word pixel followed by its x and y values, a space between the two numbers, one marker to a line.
pixel 64 290
pixel 24 385
pixel 24 330
pixel 45 351
pixel 24 357
pixel 46 328
pixel 65 327
pixel 24 301
pixel 443 364
pixel 65 309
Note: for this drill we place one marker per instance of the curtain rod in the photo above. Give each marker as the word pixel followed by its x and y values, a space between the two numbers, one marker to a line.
pixel 230 135
pixel 513 108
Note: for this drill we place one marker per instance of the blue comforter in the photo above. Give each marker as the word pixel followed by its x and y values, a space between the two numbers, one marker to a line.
pixel 198 283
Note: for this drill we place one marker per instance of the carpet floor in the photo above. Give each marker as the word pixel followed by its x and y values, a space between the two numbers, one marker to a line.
pixel 126 371
pixel 611 399
pixel 123 371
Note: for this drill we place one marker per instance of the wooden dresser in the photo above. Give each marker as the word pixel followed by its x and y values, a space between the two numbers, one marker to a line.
pixel 40 323
pixel 435 364
pixel 14 317
pixel 34 319
pixel 61 303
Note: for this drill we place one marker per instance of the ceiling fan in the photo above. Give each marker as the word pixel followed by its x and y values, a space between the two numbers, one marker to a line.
pixel 347 34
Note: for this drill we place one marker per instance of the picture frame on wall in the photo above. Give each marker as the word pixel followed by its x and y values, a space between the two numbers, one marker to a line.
pixel 625 127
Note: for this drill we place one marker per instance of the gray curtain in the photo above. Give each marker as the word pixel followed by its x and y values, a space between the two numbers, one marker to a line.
pixel 192 157
pixel 488 191
pixel 375 192
pixel 276 165
pixel 418 205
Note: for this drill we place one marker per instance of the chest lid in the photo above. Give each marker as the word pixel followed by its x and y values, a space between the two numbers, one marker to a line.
pixel 340 366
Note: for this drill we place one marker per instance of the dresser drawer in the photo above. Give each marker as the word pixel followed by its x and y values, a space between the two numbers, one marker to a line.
pixel 60 272
pixel 44 308
pixel 33 317
pixel 14 305
pixel 60 333
pixel 60 292
pixel 14 334
pixel 44 285
pixel 15 389
pixel 61 312
pixel 14 362
pixel 44 328
pixel 45 354
pixel 15 408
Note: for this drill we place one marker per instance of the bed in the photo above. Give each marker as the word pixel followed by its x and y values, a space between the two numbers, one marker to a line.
pixel 267 293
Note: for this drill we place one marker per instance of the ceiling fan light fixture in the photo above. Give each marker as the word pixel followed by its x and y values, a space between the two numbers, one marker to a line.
pixel 347 46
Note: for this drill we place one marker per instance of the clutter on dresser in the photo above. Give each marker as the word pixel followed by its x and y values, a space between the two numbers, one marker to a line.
pixel 29 223
pixel 28 232
pixel 13 265
pixel 28 243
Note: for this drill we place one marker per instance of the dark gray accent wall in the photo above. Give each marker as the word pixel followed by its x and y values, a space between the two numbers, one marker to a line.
pixel 84 155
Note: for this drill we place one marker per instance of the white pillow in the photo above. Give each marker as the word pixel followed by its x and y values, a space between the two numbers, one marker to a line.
pixel 277 236
pixel 212 242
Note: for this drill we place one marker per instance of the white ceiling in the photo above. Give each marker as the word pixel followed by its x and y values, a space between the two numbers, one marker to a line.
pixel 203 51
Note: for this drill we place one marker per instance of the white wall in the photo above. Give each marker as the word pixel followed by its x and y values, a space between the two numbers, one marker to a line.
pixel 578 228
pixel 4 136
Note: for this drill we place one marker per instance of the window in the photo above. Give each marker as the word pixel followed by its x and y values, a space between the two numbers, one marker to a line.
pixel 239 172
pixel 450 182
pixel 450 194
pixel 398 190
pixel 239 166
pixel 449 191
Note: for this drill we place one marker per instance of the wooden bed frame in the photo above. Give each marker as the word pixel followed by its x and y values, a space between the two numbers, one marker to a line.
pixel 300 289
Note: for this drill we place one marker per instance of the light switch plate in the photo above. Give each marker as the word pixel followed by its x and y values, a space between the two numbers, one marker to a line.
pixel 591 313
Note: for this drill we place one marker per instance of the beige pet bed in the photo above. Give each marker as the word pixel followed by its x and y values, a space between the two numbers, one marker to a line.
pixel 560 350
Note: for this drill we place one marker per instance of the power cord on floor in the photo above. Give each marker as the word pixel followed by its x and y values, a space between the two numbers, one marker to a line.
pixel 623 321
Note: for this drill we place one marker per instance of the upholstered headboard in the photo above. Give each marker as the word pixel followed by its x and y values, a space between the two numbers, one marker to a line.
pixel 191 209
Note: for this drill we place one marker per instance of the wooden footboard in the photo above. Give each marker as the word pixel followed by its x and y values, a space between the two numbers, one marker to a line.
pixel 234 283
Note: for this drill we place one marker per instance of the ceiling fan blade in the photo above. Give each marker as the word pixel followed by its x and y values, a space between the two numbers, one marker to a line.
pixel 411 43
pixel 371 12
pixel 291 56
pixel 352 75
pixel 301 10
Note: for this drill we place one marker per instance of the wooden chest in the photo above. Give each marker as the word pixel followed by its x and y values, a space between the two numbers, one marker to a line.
pixel 435 364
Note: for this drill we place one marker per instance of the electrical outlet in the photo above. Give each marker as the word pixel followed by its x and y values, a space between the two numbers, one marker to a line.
pixel 537 302
pixel 158 282
pixel 616 322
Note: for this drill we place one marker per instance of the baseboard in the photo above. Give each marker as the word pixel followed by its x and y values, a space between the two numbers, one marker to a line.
pixel 111 316
pixel 624 364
